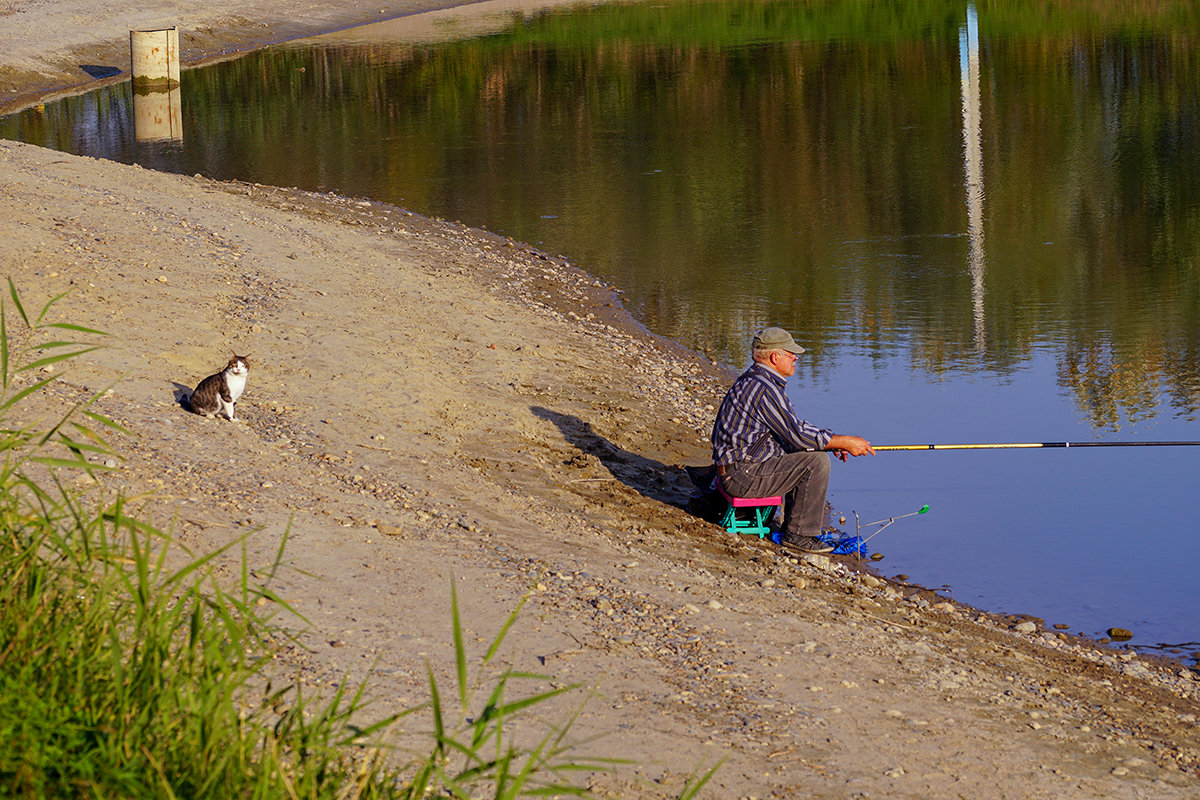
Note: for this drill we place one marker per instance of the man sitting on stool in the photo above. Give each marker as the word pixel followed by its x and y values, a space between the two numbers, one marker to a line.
pixel 761 448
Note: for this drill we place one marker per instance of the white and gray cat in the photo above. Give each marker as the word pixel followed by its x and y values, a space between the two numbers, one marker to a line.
pixel 217 393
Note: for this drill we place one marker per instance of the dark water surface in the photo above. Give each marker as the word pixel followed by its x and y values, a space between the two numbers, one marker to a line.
pixel 985 227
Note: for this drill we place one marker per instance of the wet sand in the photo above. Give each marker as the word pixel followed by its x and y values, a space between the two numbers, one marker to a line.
pixel 430 403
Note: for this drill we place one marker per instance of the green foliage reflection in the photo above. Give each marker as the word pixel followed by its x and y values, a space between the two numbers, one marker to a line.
pixel 729 163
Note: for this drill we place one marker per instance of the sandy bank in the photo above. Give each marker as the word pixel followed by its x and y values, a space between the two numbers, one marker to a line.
pixel 429 402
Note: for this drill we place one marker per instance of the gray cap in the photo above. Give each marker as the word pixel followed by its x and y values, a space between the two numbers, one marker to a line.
pixel 776 339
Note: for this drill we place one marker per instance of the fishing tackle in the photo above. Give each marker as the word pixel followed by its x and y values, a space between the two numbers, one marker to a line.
pixel 858 526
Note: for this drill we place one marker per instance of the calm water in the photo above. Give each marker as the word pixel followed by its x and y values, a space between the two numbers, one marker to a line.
pixel 984 227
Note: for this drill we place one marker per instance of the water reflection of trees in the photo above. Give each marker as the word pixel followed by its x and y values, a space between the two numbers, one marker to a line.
pixel 1083 135
pixel 1108 391
pixel 666 138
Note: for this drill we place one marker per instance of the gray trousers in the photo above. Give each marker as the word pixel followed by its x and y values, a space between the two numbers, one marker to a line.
pixel 802 479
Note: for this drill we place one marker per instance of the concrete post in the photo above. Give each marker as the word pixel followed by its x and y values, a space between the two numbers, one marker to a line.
pixel 154 59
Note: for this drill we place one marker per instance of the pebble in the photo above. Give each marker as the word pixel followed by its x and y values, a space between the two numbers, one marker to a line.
pixel 1025 627
pixel 714 604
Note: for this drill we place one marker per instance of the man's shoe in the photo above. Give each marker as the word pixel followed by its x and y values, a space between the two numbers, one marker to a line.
pixel 806 544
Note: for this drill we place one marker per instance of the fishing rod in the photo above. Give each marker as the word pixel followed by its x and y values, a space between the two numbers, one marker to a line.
pixel 1027 445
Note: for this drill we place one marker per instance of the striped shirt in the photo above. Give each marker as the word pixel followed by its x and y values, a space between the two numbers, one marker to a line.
pixel 756 421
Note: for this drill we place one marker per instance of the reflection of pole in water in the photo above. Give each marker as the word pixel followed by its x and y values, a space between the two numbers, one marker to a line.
pixel 156 116
pixel 968 47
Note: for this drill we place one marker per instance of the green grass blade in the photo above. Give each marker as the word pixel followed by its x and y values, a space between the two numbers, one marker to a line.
pixel 484 727
pixel 533 676
pixel 46 308
pixel 78 445
pixel 69 463
pixel 106 421
pixel 4 344
pixel 508 623
pixel 12 291
pixel 48 360
pixel 694 785
pixel 435 706
pixel 508 709
pixel 28 390
pixel 100 443
pixel 66 326
pixel 460 652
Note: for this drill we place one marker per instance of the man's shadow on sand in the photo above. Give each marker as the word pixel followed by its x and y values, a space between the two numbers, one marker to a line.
pixel 650 478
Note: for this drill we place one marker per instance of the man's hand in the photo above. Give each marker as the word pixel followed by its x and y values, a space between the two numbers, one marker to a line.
pixel 843 446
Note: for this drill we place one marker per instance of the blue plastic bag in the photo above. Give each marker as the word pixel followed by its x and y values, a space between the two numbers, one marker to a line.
pixel 843 544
